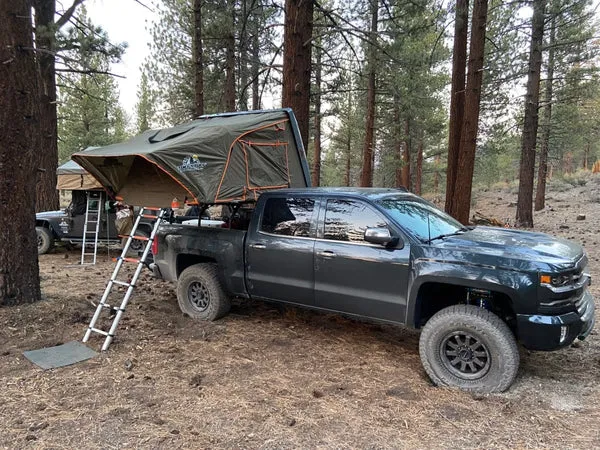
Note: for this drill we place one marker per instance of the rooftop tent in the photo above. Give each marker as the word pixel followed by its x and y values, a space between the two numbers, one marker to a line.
pixel 72 176
pixel 214 159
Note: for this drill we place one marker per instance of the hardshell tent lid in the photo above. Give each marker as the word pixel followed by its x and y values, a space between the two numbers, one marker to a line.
pixel 214 159
pixel 73 177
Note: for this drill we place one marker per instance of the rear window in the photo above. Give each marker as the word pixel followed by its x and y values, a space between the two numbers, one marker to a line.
pixel 288 216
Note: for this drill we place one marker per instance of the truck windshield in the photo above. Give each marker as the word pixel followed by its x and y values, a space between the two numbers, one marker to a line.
pixel 421 219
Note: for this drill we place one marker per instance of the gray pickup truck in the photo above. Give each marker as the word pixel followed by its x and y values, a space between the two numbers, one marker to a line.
pixel 390 256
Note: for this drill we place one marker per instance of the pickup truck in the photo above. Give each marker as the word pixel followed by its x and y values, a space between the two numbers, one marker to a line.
pixel 390 256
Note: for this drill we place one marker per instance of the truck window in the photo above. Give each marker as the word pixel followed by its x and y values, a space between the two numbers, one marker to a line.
pixel 288 216
pixel 347 220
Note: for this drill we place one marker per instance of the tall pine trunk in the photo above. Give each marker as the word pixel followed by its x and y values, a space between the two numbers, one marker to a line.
pixel 19 158
pixel 348 153
pixel 397 144
pixel 297 61
pixel 530 124
pixel 436 175
pixel 230 59
pixel 457 98
pixel 46 193
pixel 198 59
pixel 540 195
pixel 243 57
pixel 461 201
pixel 316 172
pixel 419 174
pixel 366 175
pixel 255 67
pixel 406 156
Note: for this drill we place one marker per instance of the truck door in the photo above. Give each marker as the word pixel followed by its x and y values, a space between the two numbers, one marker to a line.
pixel 355 276
pixel 279 254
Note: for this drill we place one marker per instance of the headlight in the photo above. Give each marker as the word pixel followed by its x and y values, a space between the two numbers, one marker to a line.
pixel 556 280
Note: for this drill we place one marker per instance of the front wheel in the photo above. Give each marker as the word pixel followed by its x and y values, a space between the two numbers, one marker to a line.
pixel 45 241
pixel 469 348
pixel 200 294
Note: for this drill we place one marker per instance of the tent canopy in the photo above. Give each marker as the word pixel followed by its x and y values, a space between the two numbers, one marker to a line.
pixel 214 159
pixel 73 177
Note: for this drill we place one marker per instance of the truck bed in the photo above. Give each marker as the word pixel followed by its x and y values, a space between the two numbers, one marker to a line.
pixel 180 246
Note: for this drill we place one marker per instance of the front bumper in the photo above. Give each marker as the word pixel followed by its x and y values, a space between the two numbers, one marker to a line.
pixel 542 332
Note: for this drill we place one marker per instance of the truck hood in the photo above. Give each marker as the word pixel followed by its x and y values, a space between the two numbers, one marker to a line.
pixel 50 215
pixel 511 245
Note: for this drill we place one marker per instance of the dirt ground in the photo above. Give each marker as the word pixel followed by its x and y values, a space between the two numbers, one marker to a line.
pixel 267 377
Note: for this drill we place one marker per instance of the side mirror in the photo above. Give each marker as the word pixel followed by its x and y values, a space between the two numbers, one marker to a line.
pixel 380 236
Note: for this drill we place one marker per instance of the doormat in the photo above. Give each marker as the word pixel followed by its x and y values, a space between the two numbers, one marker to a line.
pixel 60 356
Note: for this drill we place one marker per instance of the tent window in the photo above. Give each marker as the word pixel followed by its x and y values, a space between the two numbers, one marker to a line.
pixel 266 164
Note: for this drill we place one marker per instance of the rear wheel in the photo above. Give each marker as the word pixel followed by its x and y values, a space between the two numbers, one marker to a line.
pixel 200 294
pixel 470 348
pixel 45 240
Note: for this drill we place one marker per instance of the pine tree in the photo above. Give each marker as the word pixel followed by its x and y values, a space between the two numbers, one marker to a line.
pixel 144 108
pixel 19 119
pixel 89 113
pixel 524 216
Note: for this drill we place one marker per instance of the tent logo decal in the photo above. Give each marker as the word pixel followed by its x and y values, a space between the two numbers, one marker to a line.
pixel 191 164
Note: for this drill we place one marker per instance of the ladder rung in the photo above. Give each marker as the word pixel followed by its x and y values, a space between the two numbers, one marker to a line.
pixel 148 216
pixel 131 260
pixel 139 238
pixel 121 283
pixel 102 332
pixel 151 208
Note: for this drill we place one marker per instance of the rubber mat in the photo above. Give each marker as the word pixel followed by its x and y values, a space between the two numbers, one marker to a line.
pixel 60 356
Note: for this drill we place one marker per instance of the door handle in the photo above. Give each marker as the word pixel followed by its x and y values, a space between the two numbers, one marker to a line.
pixel 326 254
pixel 258 246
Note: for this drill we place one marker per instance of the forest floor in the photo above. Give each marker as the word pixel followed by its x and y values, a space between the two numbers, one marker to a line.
pixel 265 377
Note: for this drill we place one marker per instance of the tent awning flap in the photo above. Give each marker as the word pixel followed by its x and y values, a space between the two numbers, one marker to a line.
pixel 215 159
pixel 71 176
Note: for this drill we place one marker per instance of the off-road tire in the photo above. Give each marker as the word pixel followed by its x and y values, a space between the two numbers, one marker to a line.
pixel 200 294
pixel 136 245
pixel 487 332
pixel 45 240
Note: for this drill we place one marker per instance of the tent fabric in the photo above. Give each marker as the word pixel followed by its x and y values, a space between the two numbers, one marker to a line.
pixel 214 159
pixel 71 176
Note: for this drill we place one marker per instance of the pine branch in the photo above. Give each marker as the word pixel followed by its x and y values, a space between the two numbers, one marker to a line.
pixel 68 14
pixel 90 72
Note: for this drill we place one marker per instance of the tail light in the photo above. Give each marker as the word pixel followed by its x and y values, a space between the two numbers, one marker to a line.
pixel 154 247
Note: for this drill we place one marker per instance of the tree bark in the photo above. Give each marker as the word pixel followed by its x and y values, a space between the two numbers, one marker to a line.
pixel 419 174
pixel 406 156
pixel 198 59
pixel 397 144
pixel 297 61
pixel 540 195
pixel 457 97
pixel 316 173
pixel 243 57
pixel 436 175
pixel 20 116
pixel 524 216
pixel 46 193
pixel 255 70
pixel 461 196
pixel 348 140
pixel 230 60
pixel 366 176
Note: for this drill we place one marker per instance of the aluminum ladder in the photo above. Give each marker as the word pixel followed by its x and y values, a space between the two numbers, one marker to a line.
pixel 130 285
pixel 91 228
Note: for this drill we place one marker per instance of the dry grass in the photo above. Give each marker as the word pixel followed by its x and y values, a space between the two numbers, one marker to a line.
pixel 266 377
